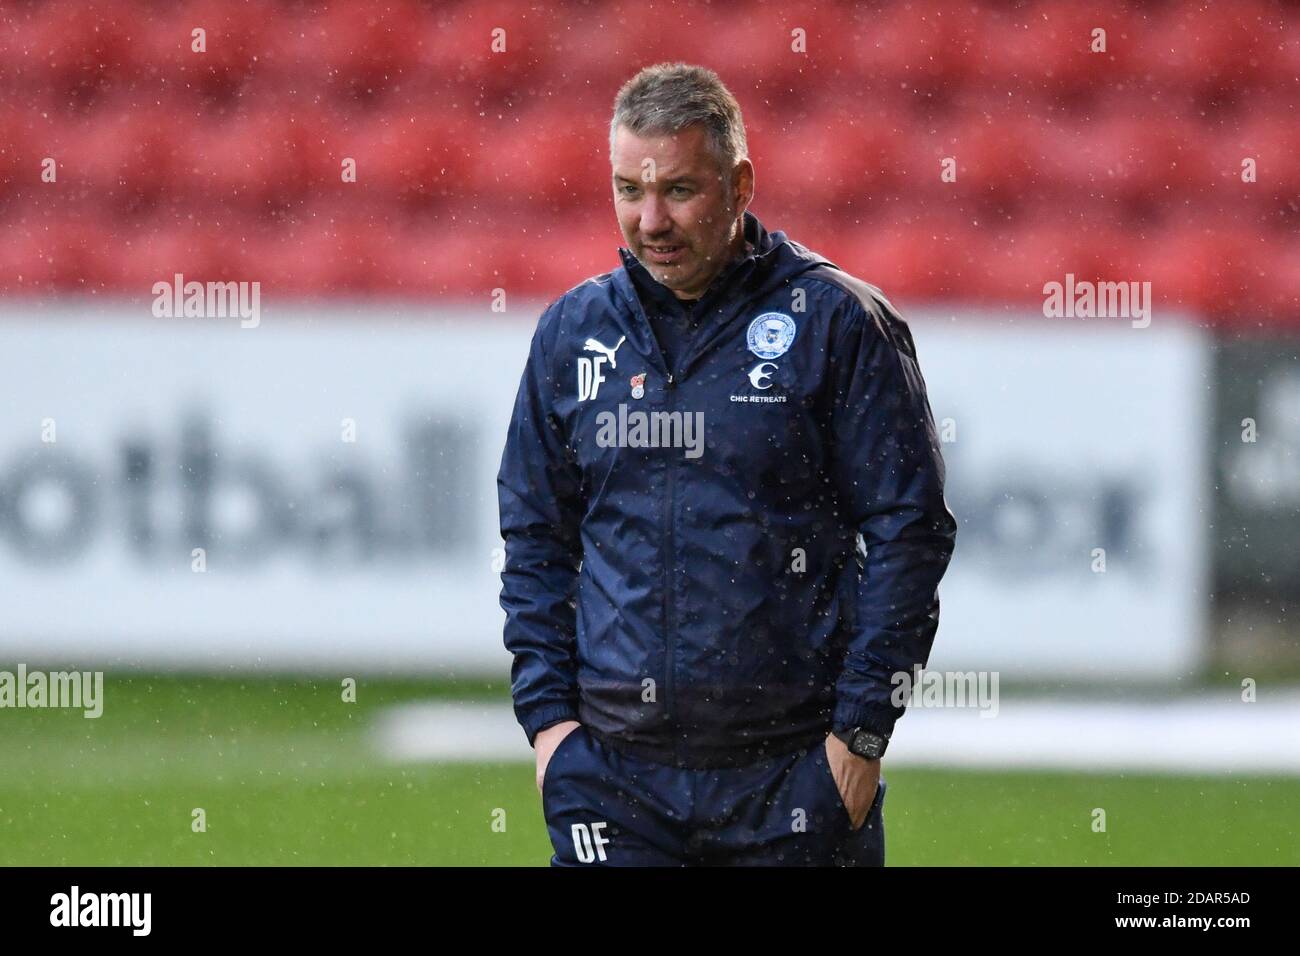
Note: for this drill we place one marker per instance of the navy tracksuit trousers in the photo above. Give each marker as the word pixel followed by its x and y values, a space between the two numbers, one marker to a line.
pixel 606 808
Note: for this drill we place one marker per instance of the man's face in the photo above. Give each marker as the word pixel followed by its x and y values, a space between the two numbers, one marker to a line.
pixel 684 224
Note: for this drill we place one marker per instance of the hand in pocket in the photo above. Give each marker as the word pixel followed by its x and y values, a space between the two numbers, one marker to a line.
pixel 547 742
pixel 856 778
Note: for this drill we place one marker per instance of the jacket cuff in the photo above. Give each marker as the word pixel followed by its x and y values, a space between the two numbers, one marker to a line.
pixel 539 718
pixel 877 718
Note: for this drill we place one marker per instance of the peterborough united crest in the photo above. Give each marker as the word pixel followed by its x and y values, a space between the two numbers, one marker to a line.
pixel 638 385
pixel 770 335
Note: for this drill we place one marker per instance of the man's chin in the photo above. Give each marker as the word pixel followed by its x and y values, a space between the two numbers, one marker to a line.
pixel 670 276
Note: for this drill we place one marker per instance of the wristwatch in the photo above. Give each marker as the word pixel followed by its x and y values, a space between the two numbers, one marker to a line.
pixel 863 742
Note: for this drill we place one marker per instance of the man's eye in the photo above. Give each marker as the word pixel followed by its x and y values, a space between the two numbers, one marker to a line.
pixel 628 189
pixel 681 190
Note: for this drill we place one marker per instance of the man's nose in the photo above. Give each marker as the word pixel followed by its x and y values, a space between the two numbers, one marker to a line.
pixel 654 216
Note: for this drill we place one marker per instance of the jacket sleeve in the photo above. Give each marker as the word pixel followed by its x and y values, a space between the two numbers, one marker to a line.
pixel 889 474
pixel 540 495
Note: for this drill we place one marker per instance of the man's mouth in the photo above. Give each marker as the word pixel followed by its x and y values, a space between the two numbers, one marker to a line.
pixel 664 254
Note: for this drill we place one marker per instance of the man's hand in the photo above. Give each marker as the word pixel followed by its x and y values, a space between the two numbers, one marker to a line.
pixel 857 777
pixel 545 743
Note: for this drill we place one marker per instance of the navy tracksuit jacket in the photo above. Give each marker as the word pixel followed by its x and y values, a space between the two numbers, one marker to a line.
pixel 710 565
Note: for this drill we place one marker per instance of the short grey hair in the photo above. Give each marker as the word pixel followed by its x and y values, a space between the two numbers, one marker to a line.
pixel 668 97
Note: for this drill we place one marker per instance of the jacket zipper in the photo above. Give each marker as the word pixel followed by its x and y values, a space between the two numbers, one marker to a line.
pixel 670 606
pixel 670 602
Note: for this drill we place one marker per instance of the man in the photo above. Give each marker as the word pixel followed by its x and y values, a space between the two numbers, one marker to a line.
pixel 703 644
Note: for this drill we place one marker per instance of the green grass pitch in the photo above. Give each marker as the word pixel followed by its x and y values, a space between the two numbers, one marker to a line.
pixel 285 774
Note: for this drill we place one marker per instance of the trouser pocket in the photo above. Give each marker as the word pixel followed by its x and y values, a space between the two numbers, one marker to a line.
pixel 554 765
pixel 865 846
pixel 837 798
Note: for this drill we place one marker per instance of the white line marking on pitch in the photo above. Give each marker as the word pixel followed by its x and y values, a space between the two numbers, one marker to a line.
pixel 1183 735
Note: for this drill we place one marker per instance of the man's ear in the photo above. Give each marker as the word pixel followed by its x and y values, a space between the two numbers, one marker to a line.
pixel 742 190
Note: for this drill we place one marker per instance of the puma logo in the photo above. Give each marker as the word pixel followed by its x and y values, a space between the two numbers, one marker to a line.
pixel 591 345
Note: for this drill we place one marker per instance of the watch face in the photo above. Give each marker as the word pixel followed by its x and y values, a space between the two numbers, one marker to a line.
pixel 867 745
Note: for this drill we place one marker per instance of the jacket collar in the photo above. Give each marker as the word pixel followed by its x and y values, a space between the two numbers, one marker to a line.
pixel 773 260
pixel 658 297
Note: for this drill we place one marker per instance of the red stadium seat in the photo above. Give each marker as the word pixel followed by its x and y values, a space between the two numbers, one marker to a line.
pixel 1213 46
pixel 470 161
pixel 1048 46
